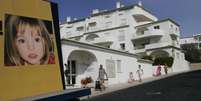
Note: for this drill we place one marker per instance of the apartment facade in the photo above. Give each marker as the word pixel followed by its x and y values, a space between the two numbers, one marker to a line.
pixel 195 39
pixel 126 29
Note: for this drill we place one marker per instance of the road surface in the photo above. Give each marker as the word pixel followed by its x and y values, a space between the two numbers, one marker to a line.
pixel 181 87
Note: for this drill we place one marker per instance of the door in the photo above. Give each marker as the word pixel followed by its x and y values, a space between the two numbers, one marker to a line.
pixel 71 73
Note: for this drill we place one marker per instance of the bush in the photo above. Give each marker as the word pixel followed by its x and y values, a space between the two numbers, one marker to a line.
pixel 86 80
pixel 163 61
pixel 192 54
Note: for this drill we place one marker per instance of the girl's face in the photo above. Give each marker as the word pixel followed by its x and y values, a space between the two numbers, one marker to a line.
pixel 30 44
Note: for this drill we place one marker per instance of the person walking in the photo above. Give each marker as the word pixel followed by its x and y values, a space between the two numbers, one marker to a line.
pixel 166 69
pixel 101 76
pixel 131 78
pixel 139 73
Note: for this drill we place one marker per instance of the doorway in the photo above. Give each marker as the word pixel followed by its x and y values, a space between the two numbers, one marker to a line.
pixel 71 73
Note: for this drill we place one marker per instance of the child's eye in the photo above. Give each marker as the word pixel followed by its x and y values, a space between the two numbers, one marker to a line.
pixel 21 40
pixel 37 39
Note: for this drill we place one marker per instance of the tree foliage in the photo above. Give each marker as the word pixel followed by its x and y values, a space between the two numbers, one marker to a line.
pixel 192 54
pixel 163 60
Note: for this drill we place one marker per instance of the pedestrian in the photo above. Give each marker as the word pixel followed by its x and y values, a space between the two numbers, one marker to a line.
pixel 131 78
pixel 158 71
pixel 166 69
pixel 139 73
pixel 102 76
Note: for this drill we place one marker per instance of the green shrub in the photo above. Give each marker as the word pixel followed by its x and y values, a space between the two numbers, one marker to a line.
pixel 163 61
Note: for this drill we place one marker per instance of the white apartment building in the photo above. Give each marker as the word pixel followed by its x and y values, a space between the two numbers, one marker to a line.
pixel 195 39
pixel 131 29
pixel 117 38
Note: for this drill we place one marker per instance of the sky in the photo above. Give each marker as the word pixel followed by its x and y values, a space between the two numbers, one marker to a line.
pixel 187 13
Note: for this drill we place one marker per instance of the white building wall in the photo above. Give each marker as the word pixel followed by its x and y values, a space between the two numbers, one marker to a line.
pixel 130 32
pixel 138 10
pixel 128 63
pixel 148 69
pixel 180 64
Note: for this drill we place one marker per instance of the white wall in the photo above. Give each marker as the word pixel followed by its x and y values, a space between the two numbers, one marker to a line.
pixel 148 69
pixel 128 63
pixel 180 64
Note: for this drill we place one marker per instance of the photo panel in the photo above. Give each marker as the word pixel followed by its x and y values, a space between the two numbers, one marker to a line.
pixel 28 41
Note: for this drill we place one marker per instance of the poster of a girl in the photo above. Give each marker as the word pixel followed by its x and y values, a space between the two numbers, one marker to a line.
pixel 27 41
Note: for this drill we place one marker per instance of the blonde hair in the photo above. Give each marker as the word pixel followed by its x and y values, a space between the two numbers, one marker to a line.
pixel 12 25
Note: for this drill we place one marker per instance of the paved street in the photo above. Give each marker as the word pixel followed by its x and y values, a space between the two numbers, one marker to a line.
pixel 181 87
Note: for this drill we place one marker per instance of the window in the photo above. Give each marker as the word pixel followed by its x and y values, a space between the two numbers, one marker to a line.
pixel 92 24
pixel 107 16
pixel 120 14
pixel 81 28
pixel 176 29
pixel 91 37
pixel 156 27
pixel 69 26
pixel 142 32
pixel 121 36
pixel 107 46
pixel 122 45
pixel 123 21
pixel 171 26
pixel 119 66
pixel 110 67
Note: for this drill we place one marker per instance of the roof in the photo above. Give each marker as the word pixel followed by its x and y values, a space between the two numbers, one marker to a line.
pixel 160 21
pixel 122 8
pixel 109 11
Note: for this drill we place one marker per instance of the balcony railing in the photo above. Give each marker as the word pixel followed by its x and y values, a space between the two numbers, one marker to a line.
pixel 174 32
pixel 140 50
pixel 149 34
pixel 154 46
pixel 102 40
pixel 157 45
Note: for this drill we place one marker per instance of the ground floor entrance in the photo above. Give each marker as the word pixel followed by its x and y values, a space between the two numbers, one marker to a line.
pixel 71 72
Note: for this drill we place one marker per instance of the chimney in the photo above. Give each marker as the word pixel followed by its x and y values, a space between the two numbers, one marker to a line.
pixel 94 11
pixel 140 3
pixel 118 4
pixel 68 19
pixel 74 18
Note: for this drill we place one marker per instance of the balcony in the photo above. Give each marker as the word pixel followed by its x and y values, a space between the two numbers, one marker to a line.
pixel 102 40
pixel 148 34
pixel 138 51
pixel 157 45
pixel 174 33
pixel 153 46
